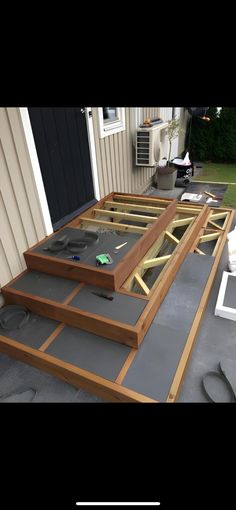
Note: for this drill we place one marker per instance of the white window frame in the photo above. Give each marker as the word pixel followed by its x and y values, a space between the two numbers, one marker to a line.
pixel 110 128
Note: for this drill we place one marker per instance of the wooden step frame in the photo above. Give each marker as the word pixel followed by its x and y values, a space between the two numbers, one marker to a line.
pixel 114 391
pixel 131 335
pixel 113 278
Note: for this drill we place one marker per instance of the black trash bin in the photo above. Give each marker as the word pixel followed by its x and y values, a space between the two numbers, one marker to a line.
pixel 183 170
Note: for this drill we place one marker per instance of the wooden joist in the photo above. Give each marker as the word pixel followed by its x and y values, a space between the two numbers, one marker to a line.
pixel 209 237
pixel 158 261
pixel 113 226
pixel 142 284
pixel 182 221
pixel 219 216
pixel 141 198
pixel 133 207
pixel 171 238
pixel 200 252
pixel 125 216
pixel 215 225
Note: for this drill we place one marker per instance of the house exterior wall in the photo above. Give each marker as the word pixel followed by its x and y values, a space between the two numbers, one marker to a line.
pixel 21 222
pixel 116 156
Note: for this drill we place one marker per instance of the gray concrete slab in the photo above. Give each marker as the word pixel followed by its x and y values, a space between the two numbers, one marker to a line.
pixel 122 308
pixel 34 333
pixel 90 352
pixel 230 292
pixel 107 242
pixel 45 285
pixel 155 363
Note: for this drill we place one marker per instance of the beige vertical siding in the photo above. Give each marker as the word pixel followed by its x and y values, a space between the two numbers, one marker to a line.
pixel 21 224
pixel 116 157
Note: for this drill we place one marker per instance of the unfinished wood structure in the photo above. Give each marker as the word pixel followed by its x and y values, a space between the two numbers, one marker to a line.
pixel 168 231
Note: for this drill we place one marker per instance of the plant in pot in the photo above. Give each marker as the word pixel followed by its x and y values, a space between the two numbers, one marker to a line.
pixel 164 167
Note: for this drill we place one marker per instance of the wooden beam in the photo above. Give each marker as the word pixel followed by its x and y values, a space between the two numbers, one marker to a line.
pixel 187 209
pixel 160 289
pixel 78 377
pixel 176 383
pixel 142 284
pixel 209 237
pixel 114 226
pixel 52 337
pixel 134 207
pixel 99 325
pixel 215 225
pixel 142 198
pixel 219 216
pixel 154 250
pixel 171 238
pixel 200 252
pixel 125 216
pixel 183 221
pixel 158 261
pixel 129 360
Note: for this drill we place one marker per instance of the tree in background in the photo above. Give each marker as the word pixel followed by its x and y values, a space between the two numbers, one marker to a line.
pixel 225 148
pixel 215 140
pixel 200 138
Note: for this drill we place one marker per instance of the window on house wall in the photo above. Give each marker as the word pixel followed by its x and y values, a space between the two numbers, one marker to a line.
pixel 111 120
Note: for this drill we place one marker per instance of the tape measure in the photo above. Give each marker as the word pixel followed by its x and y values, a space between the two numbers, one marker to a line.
pixel 104 258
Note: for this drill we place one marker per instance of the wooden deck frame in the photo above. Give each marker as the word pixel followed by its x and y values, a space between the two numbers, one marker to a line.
pixel 113 391
pixel 113 278
pixel 151 258
pixel 108 328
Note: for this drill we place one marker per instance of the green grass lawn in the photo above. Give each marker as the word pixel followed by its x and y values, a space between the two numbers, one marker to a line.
pixel 218 172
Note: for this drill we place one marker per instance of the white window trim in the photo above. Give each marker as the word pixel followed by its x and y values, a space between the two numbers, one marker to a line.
pixel 112 127
pixel 89 120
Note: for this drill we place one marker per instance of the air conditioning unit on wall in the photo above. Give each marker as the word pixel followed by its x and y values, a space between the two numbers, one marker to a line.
pixel 150 144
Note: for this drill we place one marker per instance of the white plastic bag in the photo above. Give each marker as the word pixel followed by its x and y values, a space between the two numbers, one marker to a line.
pixel 231 238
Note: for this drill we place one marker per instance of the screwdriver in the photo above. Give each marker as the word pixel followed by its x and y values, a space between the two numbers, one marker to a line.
pixel 74 257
